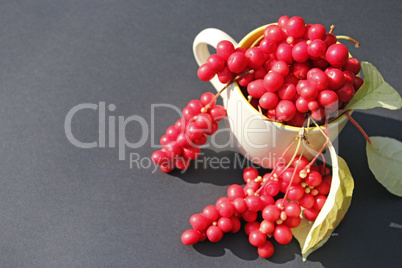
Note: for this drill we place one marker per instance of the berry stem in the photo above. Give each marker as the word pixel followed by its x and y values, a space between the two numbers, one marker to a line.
pixel 357 44
pixel 331 29
pixel 357 126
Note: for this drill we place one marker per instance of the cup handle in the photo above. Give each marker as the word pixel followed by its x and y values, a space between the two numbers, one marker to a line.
pixel 212 37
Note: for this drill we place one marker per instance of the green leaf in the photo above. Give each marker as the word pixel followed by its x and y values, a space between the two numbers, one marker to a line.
pixel 384 156
pixel 312 235
pixel 374 92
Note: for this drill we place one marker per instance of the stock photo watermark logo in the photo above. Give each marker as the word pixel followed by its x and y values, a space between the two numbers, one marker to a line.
pixel 248 135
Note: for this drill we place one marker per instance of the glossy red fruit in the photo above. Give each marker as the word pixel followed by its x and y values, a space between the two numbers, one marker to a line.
pixel 271 213
pixel 190 237
pixel 257 238
pixel 250 173
pixel 225 224
pixel 237 62
pixel 295 27
pixel 285 110
pixel 224 49
pixel 251 226
pixel 337 55
pixel 215 62
pixel 255 57
pixel 282 234
pixel 205 73
pixel 210 213
pixel 214 233
pixel 235 191
pixel 266 250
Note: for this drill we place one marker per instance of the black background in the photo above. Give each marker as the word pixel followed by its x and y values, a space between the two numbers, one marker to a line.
pixel 64 206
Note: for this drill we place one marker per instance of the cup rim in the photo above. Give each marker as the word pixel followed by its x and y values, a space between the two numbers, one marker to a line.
pixel 246 42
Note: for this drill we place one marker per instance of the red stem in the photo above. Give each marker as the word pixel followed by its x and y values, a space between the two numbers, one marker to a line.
pixel 357 126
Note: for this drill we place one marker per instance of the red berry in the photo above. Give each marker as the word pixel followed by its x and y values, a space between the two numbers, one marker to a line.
pixel 329 39
pixel 275 33
pixel 311 214
pixel 240 205
pixel 249 216
pixel 285 110
pixel 267 227
pixel 272 187
pixel 316 31
pixel 224 49
pixel 225 224
pixel 253 202
pixel 205 73
pixel 269 100
pixel 255 57
pixel 316 48
pixel 292 222
pixel 257 238
pixel 190 237
pixel 268 46
pixel 284 53
pixel 336 78
pixel 282 234
pixel 256 88
pixel 299 52
pixel 266 250
pixel 250 173
pixel 295 192
pixel 352 65
pixel 235 191
pixel 307 201
pixel 225 75
pixel 237 62
pixel 210 213
pixel 272 81
pixel 218 112
pixel 282 21
pixel 215 62
pixel 302 105
pixel 346 93
pixel 358 83
pixel 225 208
pixel 337 55
pixel 295 27
pixel 292 209
pixel 251 226
pixel 198 222
pixel 300 70
pixel 328 99
pixel 280 67
pixel 271 213
pixel 214 233
pixel 319 202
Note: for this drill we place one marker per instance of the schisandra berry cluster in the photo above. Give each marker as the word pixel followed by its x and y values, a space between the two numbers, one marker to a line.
pixel 181 141
pixel 294 70
pixel 267 206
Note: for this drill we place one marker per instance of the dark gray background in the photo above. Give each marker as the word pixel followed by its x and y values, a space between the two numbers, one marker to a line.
pixel 64 206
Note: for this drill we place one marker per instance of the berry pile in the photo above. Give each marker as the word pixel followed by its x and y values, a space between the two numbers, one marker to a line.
pixel 294 70
pixel 269 206
pixel 181 141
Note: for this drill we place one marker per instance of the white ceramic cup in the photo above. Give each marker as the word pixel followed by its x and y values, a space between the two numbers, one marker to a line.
pixel 261 141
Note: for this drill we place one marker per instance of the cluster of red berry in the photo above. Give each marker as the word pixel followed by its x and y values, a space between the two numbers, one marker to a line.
pixel 294 70
pixel 182 140
pixel 269 206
